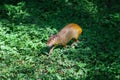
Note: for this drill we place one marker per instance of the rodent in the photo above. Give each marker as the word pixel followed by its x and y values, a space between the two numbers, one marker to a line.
pixel 70 31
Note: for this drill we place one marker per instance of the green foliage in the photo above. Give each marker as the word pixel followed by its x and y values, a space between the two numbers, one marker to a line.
pixel 16 13
pixel 25 27
pixel 20 57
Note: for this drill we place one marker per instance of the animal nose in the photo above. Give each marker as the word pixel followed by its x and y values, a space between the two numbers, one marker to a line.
pixel 48 45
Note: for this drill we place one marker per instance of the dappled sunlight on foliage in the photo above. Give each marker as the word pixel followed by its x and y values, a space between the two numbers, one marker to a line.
pixel 25 27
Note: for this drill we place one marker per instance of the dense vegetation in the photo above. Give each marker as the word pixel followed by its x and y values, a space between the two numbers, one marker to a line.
pixel 25 26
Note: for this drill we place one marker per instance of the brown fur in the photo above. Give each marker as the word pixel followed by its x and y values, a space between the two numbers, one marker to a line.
pixel 70 31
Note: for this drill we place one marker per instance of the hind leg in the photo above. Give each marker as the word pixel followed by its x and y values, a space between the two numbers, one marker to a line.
pixel 75 42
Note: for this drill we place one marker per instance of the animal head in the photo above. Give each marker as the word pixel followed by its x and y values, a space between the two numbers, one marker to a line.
pixel 52 41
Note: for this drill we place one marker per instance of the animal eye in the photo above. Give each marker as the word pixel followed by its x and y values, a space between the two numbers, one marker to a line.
pixel 53 38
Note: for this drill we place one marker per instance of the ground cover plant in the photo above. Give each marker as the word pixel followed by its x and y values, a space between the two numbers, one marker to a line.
pixel 25 27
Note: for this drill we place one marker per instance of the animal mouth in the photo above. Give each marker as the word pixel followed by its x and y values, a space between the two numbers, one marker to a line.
pixel 49 45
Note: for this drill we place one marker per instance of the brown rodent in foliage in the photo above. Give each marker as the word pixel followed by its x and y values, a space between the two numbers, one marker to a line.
pixel 70 31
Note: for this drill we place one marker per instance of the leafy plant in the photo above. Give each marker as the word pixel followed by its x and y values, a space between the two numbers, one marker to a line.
pixel 16 13
pixel 26 26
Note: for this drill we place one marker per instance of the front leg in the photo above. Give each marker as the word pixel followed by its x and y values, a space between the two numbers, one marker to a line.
pixel 51 50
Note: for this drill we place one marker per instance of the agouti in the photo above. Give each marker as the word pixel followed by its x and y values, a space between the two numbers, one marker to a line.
pixel 70 31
